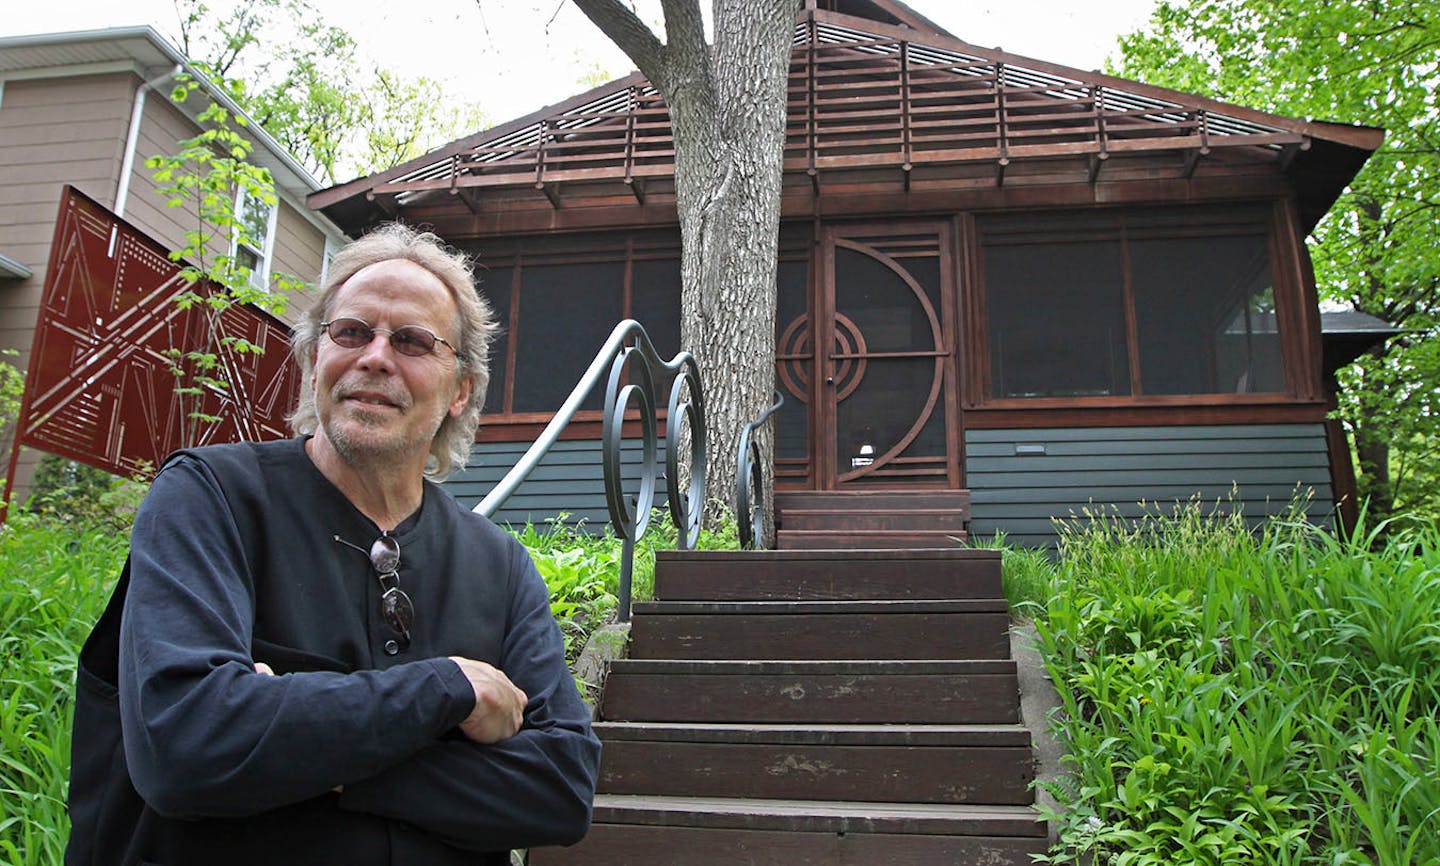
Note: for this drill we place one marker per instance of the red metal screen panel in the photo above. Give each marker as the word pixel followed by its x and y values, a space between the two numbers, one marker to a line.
pixel 99 388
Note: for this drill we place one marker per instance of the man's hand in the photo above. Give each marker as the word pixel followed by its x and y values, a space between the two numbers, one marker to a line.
pixel 499 705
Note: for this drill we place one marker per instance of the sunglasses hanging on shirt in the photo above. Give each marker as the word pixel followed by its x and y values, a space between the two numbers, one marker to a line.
pixel 395 606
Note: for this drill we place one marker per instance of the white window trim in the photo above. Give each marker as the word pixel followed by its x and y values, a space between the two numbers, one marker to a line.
pixel 260 276
pixel 332 247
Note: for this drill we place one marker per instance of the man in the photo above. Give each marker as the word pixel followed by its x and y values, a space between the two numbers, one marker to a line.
pixel 322 657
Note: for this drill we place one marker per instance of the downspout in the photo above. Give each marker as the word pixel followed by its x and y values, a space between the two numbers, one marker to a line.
pixel 122 192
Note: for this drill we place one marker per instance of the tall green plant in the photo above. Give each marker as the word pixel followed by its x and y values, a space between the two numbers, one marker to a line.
pixel 56 581
pixel 1231 694
pixel 211 177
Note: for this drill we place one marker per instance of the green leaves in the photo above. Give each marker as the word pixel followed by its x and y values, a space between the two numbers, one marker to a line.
pixel 227 200
pixel 57 578
pixel 305 82
pixel 1239 696
pixel 1378 250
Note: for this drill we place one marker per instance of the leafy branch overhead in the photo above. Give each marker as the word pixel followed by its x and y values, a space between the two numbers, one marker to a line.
pixel 1378 250
pixel 306 83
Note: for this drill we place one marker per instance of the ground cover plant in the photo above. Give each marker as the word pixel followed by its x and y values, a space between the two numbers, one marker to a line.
pixel 54 581
pixel 57 568
pixel 1240 695
pixel 581 567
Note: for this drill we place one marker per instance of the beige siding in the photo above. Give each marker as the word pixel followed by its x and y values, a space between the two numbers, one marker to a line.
pixel 299 246
pixel 163 126
pixel 299 251
pixel 73 130
pixel 52 132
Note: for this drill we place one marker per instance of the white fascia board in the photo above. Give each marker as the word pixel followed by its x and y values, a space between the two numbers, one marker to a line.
pixel 12 269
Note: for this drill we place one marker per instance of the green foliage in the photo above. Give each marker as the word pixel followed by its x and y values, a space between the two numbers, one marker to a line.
pixel 56 581
pixel 1238 695
pixel 210 177
pixel 12 389
pixel 582 568
pixel 64 492
pixel 1374 63
pixel 1028 575
pixel 305 82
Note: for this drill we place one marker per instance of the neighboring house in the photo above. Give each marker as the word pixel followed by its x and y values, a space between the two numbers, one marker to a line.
pixel 87 109
pixel 1050 287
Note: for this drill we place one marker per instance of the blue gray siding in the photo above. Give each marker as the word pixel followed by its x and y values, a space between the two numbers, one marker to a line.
pixel 570 480
pixel 1021 479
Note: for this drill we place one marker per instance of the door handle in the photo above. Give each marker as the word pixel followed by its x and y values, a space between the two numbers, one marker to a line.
pixel 829 380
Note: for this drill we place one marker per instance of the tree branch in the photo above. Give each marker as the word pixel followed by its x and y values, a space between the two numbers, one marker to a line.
pixel 629 33
pixel 685 28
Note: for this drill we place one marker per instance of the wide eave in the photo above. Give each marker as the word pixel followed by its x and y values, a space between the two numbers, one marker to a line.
pixel 875 110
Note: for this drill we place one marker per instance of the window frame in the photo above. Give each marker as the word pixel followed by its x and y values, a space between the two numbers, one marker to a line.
pixel 1287 277
pixel 260 275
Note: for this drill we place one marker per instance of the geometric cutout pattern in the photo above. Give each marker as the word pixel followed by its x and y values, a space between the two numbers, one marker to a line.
pixel 99 389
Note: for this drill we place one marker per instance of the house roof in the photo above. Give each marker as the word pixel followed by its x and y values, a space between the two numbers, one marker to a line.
pixel 1348 334
pixel 873 104
pixel 149 55
pixel 10 269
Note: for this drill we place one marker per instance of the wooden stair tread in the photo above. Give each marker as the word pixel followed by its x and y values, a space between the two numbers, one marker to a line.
pixel 811 707
pixel 867 607
pixel 812 510
pixel 759 557
pixel 818 815
pixel 771 667
pixel 867 499
pixel 810 734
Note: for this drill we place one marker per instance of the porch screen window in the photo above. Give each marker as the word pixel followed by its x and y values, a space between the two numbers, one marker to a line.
pixel 566 311
pixel 1057 320
pixel 1205 315
pixel 1146 302
pixel 558 298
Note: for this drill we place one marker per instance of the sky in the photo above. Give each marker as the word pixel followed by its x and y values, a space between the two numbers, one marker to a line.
pixel 515 56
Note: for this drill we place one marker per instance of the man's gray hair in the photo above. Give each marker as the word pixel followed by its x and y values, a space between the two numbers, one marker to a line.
pixel 450 448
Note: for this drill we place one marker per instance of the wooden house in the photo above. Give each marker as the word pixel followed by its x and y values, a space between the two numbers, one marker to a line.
pixel 1052 288
pixel 86 109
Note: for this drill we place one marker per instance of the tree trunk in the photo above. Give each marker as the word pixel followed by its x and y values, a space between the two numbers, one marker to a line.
pixel 727 113
pixel 1372 456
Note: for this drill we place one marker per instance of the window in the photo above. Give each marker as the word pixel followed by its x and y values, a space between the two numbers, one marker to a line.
pixel 558 298
pixel 1135 303
pixel 254 237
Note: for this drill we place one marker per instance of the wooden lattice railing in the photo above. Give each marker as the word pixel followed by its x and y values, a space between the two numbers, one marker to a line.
pixel 859 99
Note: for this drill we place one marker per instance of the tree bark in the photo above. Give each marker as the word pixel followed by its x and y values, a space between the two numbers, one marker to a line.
pixel 727 114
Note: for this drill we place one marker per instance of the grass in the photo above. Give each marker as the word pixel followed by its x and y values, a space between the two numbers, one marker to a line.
pixel 1230 695
pixel 1245 696
pixel 56 582
pixel 57 577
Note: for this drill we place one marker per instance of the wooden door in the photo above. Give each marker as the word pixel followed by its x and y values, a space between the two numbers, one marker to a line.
pixel 886 408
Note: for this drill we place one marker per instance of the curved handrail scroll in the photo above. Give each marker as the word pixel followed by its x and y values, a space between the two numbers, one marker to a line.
pixel 629 348
pixel 750 480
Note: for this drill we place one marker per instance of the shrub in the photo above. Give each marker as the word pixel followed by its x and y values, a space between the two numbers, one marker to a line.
pixel 56 582
pixel 1231 694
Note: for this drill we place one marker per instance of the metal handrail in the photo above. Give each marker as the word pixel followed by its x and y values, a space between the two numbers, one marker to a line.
pixel 631 516
pixel 750 480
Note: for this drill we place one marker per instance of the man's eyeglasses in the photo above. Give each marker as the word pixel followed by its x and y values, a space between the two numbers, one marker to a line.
pixel 395 606
pixel 412 340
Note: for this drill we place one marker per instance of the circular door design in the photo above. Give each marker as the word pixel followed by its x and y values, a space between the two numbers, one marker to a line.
pixel 887 363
